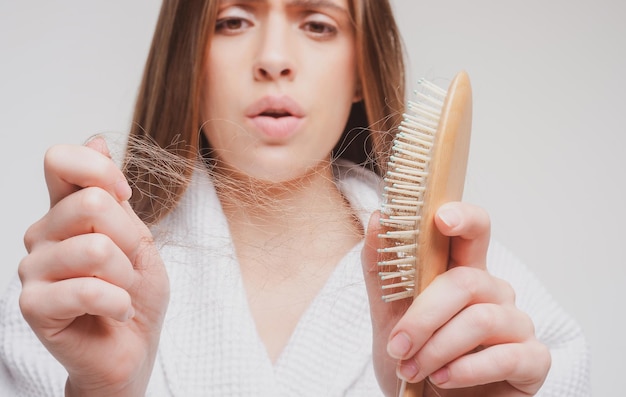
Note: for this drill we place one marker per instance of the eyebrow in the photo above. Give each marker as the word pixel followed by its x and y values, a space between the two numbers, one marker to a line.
pixel 317 3
pixel 296 3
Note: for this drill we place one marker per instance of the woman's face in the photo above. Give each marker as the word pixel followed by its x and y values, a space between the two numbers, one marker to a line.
pixel 280 84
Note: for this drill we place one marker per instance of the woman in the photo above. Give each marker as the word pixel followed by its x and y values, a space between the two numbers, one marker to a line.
pixel 248 280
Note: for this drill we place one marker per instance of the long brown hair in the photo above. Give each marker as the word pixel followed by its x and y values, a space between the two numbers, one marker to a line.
pixel 167 112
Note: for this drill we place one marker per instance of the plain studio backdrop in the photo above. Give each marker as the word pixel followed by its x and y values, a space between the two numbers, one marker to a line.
pixel 546 159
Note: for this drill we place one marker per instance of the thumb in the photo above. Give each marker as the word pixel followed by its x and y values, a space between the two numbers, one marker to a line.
pixel 121 189
pixel 384 315
pixel 69 168
pixel 369 258
pixel 99 145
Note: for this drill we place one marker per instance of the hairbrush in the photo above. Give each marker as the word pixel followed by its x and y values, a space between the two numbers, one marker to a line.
pixel 426 169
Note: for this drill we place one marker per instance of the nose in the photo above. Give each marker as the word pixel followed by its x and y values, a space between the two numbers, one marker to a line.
pixel 274 59
pixel 272 71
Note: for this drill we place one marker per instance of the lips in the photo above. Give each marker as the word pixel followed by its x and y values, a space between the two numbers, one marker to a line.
pixel 276 118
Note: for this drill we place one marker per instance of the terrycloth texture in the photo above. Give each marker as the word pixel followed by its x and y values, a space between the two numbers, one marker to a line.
pixel 209 344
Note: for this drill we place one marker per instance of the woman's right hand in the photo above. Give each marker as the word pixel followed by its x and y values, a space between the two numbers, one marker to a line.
pixel 94 288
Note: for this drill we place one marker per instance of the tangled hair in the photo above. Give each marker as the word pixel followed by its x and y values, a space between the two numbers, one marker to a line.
pixel 167 112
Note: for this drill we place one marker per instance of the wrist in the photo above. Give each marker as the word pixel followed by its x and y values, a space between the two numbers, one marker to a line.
pixel 126 389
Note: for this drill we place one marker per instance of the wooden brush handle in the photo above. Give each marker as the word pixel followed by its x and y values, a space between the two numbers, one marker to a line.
pixel 446 179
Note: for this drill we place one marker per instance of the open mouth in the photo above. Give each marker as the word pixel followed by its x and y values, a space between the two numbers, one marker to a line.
pixel 275 107
pixel 276 118
pixel 275 113
pixel 276 125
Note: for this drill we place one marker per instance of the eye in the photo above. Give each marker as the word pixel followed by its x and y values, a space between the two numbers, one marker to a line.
pixel 319 26
pixel 231 25
pixel 234 19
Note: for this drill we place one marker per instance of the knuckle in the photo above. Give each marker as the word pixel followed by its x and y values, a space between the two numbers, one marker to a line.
pixel 527 325
pixel 506 363
pixel 87 293
pixel 99 248
pixel 94 200
pixel 52 156
pixel 426 324
pixel 31 236
pixel 28 303
pixel 23 269
pixel 467 279
pixel 478 221
pixel 145 253
pixel 435 349
pixel 507 290
pixel 484 216
pixel 546 358
pixel 463 372
pixel 484 317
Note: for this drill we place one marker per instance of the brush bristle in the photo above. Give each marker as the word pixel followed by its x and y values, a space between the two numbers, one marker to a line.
pixel 403 196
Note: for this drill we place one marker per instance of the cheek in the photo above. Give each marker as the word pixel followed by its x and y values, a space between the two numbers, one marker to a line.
pixel 340 92
pixel 338 77
pixel 225 74
pixel 214 87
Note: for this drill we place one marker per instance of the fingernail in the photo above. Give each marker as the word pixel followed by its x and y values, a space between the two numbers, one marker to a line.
pixel 440 376
pixel 123 190
pixel 450 217
pixel 399 346
pixel 130 313
pixel 408 370
pixel 96 142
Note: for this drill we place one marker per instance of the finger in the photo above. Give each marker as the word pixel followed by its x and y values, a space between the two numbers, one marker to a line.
pixel 90 210
pixel 69 168
pixel 369 259
pixel 383 315
pixel 53 306
pixel 85 255
pixel 99 145
pixel 479 325
pixel 446 296
pixel 522 365
pixel 470 229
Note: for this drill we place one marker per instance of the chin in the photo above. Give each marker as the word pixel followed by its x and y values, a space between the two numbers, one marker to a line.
pixel 274 176
pixel 279 174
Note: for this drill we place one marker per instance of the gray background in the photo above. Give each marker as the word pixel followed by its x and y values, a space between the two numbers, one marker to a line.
pixel 546 157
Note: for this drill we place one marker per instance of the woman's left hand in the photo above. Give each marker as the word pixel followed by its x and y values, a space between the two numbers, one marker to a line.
pixel 463 330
